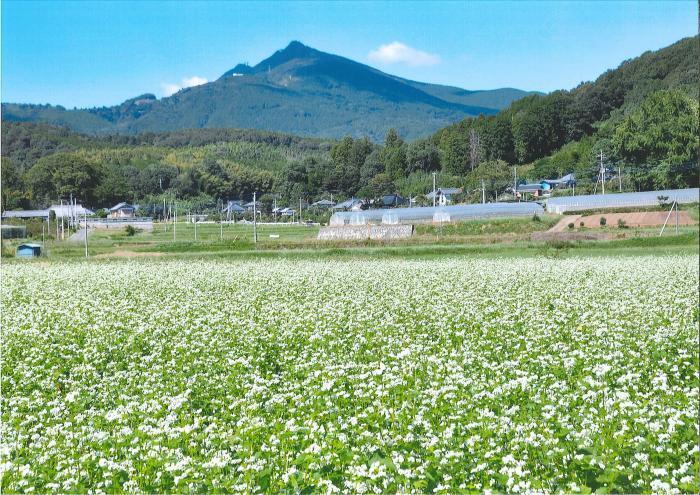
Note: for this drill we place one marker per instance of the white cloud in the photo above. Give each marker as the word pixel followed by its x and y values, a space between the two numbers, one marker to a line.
pixel 187 82
pixel 170 89
pixel 398 53
pixel 193 81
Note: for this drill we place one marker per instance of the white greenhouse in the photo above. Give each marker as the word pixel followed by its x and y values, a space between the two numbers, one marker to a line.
pixel 563 204
pixel 437 214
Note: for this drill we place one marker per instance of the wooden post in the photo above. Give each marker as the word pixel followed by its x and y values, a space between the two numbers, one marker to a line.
pixel 255 219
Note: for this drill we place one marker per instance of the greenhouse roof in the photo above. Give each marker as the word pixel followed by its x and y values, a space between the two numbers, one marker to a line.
pixel 435 214
pixel 562 204
pixel 25 214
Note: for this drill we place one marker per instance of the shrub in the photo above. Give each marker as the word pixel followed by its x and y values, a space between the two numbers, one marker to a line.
pixel 621 223
pixel 603 221
pixel 536 218
pixel 571 225
pixel 130 230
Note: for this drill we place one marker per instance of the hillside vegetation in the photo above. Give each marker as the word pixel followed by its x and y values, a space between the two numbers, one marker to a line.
pixel 298 90
pixel 643 116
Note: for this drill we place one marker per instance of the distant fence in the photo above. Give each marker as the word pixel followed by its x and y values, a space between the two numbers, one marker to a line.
pixel 14 231
pixel 144 223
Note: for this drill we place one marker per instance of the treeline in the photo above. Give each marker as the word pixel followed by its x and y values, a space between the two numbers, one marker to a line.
pixel 642 114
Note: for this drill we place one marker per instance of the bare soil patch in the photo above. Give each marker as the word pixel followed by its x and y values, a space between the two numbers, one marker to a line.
pixel 639 219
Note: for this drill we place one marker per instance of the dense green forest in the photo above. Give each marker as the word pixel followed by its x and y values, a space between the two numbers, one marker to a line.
pixel 643 116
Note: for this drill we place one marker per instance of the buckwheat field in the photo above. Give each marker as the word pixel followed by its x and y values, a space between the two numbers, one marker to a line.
pixel 354 376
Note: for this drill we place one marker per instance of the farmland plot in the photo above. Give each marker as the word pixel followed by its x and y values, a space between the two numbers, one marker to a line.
pixel 448 375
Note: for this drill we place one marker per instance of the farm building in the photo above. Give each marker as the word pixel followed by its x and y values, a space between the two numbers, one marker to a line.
pixel 393 200
pixel 537 189
pixel 351 204
pixel 122 210
pixel 563 204
pixel 444 196
pixel 287 212
pixel 28 250
pixel 253 205
pixel 67 211
pixel 26 214
pixel 323 204
pixel 233 208
pixel 568 180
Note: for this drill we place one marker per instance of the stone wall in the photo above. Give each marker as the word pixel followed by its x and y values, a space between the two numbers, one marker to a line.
pixel 364 232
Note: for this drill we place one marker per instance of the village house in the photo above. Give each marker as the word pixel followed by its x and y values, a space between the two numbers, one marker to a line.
pixel 122 210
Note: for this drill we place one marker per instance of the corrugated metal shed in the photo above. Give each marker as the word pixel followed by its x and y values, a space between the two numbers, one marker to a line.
pixel 68 210
pixel 26 214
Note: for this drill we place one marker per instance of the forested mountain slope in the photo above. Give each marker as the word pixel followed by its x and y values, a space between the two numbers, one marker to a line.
pixel 297 90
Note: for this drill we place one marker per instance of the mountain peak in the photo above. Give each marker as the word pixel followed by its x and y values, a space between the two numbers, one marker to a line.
pixel 295 49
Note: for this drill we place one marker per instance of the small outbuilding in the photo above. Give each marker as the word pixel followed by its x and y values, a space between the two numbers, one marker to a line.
pixel 444 195
pixel 28 250
pixel 26 214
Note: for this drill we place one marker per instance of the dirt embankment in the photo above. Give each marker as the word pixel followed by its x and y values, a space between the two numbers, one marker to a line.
pixel 640 219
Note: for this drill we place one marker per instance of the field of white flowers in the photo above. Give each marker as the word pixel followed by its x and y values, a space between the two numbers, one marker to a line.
pixel 360 376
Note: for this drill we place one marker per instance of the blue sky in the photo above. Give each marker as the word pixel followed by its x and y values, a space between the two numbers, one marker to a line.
pixel 101 53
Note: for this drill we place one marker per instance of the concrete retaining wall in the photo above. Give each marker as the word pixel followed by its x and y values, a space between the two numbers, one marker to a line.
pixel 364 232
pixel 119 224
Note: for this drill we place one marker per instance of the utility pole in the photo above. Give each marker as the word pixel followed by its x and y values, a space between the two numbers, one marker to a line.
pixel 483 192
pixel 619 176
pixel 195 226
pixel 515 182
pixel 255 219
pixel 174 221
pixel 676 201
pixel 434 189
pixel 86 232
pixel 221 229
pixel 299 211
pixel 602 171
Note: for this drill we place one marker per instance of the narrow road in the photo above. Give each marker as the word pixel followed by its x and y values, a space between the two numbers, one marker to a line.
pixel 78 236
